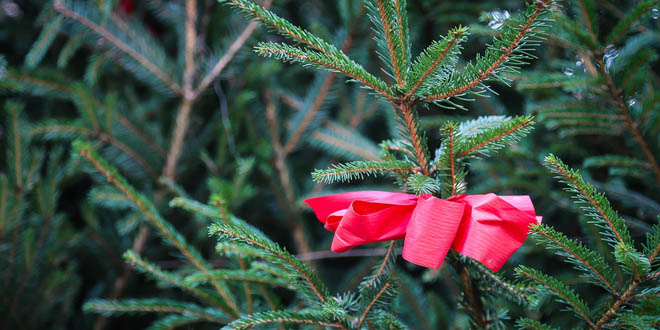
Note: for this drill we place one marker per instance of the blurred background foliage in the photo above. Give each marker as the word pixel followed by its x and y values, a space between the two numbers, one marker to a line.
pixel 115 73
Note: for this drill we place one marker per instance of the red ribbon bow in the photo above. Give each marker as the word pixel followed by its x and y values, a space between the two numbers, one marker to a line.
pixel 487 228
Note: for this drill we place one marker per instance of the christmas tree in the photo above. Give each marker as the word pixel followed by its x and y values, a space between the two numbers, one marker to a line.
pixel 122 117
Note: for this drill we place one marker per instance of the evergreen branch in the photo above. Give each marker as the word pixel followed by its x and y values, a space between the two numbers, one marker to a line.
pixel 508 132
pixel 471 293
pixel 506 53
pixel 631 261
pixel 147 140
pixel 171 235
pixel 228 55
pixel 587 15
pixel 547 80
pixel 630 123
pixel 238 233
pixel 173 279
pixel 284 176
pixel 359 169
pixel 43 42
pixel 22 77
pixel 62 9
pixel 505 286
pixel 346 147
pixel 578 255
pixel 533 324
pixel 14 110
pixel 343 65
pixel 371 304
pixel 236 275
pixel 174 321
pixel 414 295
pixel 85 104
pixel 107 138
pixel 559 289
pixel 344 142
pixel 310 114
pixel 380 270
pixel 128 151
pixel 652 245
pixel 310 318
pixel 235 250
pixel 623 26
pixel 246 287
pixel 403 30
pixel 388 24
pixel 611 312
pixel 113 307
pixel 439 52
pixel 421 184
pixel 596 201
pixel 287 29
pixel 616 161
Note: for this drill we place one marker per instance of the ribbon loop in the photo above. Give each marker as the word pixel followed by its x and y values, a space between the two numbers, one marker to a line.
pixel 487 228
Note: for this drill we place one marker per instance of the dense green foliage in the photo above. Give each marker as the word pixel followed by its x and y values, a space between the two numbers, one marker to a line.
pixel 166 106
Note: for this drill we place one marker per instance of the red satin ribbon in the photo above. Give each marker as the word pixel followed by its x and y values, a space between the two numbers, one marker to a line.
pixel 487 228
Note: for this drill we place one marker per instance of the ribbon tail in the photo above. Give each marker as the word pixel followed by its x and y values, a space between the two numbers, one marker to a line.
pixel 494 227
pixel 431 231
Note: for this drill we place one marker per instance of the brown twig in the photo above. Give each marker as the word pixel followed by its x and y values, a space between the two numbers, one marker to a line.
pixel 418 145
pixel 299 236
pixel 229 55
pixel 180 128
pixel 182 119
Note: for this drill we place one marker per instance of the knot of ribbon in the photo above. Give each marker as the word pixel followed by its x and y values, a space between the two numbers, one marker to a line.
pixel 487 228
